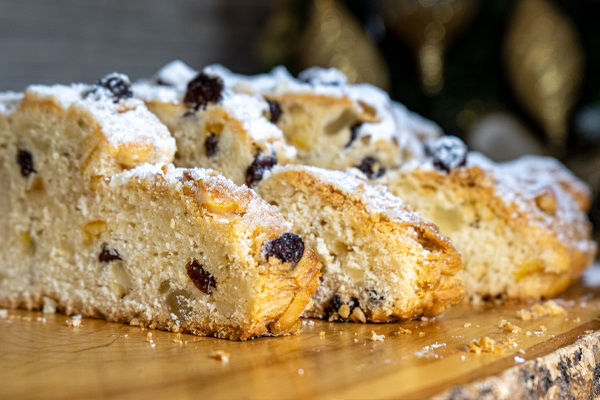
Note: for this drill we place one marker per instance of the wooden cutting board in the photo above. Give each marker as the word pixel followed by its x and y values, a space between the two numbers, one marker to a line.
pixel 42 357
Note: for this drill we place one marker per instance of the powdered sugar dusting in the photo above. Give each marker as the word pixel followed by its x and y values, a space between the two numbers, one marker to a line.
pixel 9 101
pixel 394 120
pixel 258 213
pixel 127 121
pixel 377 198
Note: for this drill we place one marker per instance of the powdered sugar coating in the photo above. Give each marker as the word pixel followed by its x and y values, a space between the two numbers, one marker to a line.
pixel 249 109
pixel 376 198
pixel 395 122
pixel 518 187
pixel 9 101
pixel 257 215
pixel 124 122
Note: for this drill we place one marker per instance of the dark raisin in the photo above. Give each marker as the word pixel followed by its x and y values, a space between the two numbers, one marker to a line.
pixel 288 247
pixel 118 84
pixel 160 82
pixel 371 167
pixel 107 254
pixel 353 133
pixel 259 166
pixel 211 145
pixel 447 152
pixel 275 111
pixel 25 160
pixel 336 302
pixel 203 89
pixel 203 280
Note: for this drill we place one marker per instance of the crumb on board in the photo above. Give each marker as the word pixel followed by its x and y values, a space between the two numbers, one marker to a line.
pixel 74 321
pixel 546 309
pixel 220 355
pixel 508 326
pixel 3 313
pixel 300 372
pixel 485 344
pixel 49 306
pixel 376 338
pixel 467 325
pixel 421 334
pixel 403 331
pixel 322 334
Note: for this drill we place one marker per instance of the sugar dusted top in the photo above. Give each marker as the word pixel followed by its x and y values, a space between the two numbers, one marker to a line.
pixel 394 120
pixel 257 215
pixel 376 198
pixel 9 101
pixel 123 119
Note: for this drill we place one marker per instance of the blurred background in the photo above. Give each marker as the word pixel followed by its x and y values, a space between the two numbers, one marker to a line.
pixel 508 76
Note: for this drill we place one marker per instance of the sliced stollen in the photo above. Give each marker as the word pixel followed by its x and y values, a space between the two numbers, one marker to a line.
pixel 381 261
pixel 94 228
pixel 333 124
pixel 213 126
pixel 520 233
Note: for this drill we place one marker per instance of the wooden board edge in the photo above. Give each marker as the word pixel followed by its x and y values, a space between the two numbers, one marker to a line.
pixel 571 372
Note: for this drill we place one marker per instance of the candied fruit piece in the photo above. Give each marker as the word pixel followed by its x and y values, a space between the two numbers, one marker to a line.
pixel 371 167
pixel 118 85
pixel 288 247
pixel 448 152
pixel 107 254
pixel 203 89
pixel 25 160
pixel 203 280
pixel 259 166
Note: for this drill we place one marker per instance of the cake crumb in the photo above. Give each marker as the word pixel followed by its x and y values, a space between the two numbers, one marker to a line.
pixel 421 334
pixel 3 313
pixel 74 322
pixel 300 372
pixel 322 334
pixel 403 331
pixel 376 338
pixel 484 345
pixel 467 325
pixel 508 326
pixel 547 309
pixel 220 355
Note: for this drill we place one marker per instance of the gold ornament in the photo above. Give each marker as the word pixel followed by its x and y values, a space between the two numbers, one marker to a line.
pixel 427 26
pixel 334 38
pixel 545 63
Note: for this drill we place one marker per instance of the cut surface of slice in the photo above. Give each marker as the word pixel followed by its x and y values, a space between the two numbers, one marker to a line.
pixel 381 261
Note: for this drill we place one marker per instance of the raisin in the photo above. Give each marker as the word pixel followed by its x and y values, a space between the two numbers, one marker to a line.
pixel 275 111
pixel 335 303
pixel 211 145
pixel 203 89
pixel 288 247
pixel 257 169
pixel 25 160
pixel 447 152
pixel 107 254
pixel 203 280
pixel 118 85
pixel 353 133
pixel 371 167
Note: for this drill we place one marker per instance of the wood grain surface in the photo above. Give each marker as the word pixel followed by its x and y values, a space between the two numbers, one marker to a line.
pixel 42 357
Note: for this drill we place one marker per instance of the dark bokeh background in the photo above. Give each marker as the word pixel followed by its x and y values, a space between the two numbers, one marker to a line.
pixel 73 40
